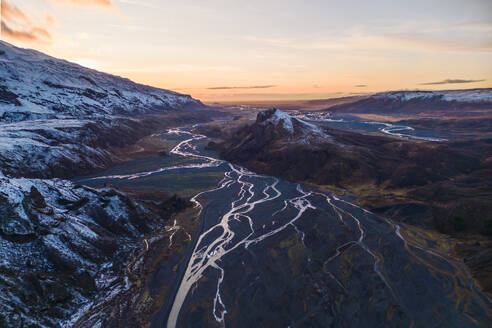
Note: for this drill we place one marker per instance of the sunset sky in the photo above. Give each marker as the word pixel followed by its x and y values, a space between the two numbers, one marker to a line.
pixel 277 49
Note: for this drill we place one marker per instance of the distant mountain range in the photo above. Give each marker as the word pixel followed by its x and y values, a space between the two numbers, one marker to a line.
pixel 415 102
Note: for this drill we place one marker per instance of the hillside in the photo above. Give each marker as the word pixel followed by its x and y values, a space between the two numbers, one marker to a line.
pixel 66 248
pixel 58 119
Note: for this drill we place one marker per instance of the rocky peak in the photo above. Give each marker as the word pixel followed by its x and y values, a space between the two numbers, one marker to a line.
pixel 288 126
pixel 277 118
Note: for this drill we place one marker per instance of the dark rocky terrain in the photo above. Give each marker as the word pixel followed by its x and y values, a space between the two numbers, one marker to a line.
pixel 65 247
pixel 274 253
pixel 444 186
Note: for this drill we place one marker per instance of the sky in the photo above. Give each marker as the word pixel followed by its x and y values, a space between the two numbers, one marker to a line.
pixel 219 50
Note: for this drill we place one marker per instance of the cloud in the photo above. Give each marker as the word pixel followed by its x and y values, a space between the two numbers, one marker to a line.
pixel 41 33
pixel 249 87
pixel 451 81
pixel 17 25
pixel 89 3
pixel 35 34
pixel 13 13
pixel 361 85
pixel 50 20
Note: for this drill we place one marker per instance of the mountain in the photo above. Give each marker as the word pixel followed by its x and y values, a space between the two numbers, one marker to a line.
pixel 279 144
pixel 58 119
pixel 415 102
pixel 432 185
pixel 36 86
pixel 67 249
pixel 276 124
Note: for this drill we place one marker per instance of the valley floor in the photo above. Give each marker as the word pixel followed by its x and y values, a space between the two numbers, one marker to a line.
pixel 317 250
pixel 249 248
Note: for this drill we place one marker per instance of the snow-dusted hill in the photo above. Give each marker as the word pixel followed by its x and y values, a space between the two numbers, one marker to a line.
pixel 58 119
pixel 37 86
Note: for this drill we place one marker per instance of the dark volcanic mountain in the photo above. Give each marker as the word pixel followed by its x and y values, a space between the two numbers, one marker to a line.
pixel 280 145
pixel 416 102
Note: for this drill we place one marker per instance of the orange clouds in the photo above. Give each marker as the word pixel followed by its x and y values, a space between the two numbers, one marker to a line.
pixel 35 34
pixel 11 12
pixel 17 25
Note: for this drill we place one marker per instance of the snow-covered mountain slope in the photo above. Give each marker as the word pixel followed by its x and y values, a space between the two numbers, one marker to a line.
pixel 65 147
pixel 36 86
pixel 458 102
pixel 29 148
pixel 64 246
pixel 58 119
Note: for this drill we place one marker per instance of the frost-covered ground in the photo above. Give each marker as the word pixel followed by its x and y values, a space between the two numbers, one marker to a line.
pixel 62 245
pixel 33 147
